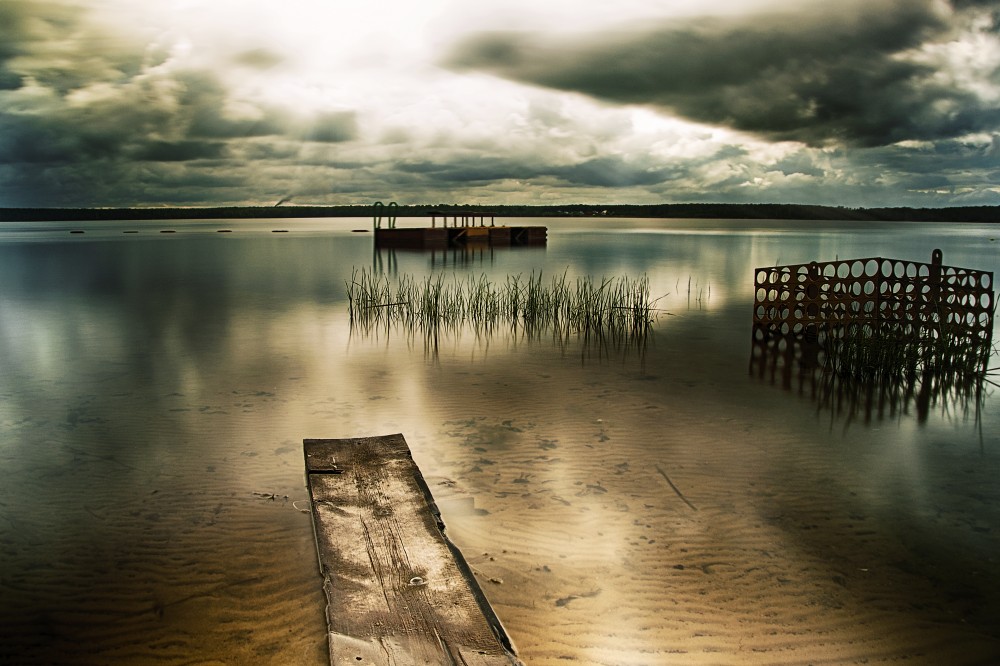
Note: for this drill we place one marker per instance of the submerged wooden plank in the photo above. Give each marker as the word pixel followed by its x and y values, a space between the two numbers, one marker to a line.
pixel 398 591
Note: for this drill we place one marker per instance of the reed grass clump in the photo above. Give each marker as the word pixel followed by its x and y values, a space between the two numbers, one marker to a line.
pixel 616 305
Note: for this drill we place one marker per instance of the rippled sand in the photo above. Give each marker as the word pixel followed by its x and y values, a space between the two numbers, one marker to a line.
pixel 769 557
pixel 124 557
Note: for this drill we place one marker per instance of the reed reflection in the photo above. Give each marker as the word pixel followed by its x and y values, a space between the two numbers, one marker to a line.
pixel 873 337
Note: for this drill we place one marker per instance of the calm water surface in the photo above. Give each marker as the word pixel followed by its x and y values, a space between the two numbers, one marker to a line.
pixel 648 506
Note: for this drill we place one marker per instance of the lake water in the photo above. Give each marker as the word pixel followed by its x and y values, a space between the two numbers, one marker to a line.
pixel 619 505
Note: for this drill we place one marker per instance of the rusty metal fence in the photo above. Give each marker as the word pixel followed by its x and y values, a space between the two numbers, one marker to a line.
pixel 880 331
pixel 909 296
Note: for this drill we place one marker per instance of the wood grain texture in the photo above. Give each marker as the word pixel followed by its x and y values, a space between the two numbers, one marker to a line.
pixel 398 591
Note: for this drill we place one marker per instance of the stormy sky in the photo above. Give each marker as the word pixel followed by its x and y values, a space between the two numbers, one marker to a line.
pixel 220 102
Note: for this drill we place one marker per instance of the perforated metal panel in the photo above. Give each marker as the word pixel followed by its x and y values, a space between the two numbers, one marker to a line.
pixel 908 295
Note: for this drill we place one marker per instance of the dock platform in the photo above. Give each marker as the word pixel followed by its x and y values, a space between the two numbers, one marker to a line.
pixel 398 590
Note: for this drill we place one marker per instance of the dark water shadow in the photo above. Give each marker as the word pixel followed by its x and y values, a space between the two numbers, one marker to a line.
pixel 871 374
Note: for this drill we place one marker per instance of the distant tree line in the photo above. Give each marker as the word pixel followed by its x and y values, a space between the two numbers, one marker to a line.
pixel 688 210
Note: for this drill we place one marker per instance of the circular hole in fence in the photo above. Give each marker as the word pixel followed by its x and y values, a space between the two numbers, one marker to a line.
pixel 984 301
pixel 761 277
pixel 829 270
pixel 784 331
pixel 886 268
pixel 812 291
pixel 871 268
pixel 857 269
pixel 924 270
pixel 869 286
pixel 898 269
pixel 985 280
pixel 856 288
pixel 911 270
pixel 812 310
pixel 843 270
pixel 761 294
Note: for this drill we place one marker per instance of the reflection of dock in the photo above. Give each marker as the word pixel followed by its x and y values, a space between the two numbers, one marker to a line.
pixel 440 237
pixel 463 231
pixel 398 591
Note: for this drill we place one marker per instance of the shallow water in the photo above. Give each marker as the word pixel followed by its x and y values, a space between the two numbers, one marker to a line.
pixel 640 506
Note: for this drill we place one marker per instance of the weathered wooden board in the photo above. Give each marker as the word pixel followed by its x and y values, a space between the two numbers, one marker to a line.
pixel 398 591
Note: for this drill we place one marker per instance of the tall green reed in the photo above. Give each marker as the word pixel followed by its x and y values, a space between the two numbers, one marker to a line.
pixel 613 306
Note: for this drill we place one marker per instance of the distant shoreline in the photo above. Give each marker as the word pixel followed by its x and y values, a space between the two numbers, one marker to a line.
pixel 989 214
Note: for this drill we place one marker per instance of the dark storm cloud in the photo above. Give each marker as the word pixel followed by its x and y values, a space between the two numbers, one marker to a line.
pixel 135 123
pixel 179 151
pixel 23 24
pixel 46 37
pixel 331 127
pixel 471 170
pixel 611 172
pixel 199 105
pixel 829 75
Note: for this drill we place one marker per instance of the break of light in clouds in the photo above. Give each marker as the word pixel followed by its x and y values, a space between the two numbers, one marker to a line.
pixel 219 102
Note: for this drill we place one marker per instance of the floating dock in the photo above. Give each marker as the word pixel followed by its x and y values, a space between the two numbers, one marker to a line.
pixel 399 592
